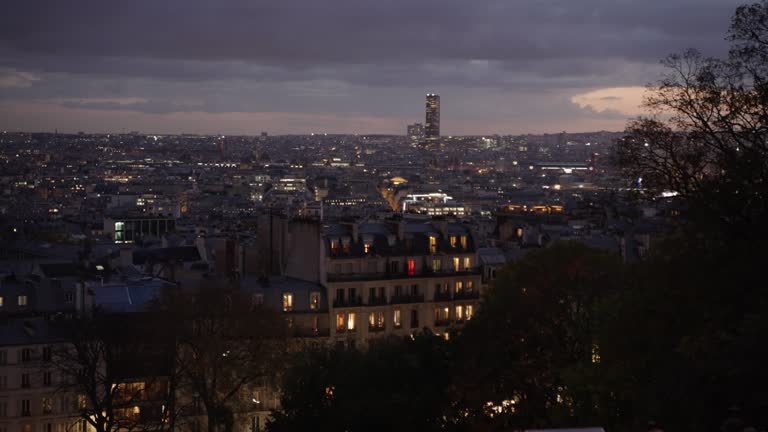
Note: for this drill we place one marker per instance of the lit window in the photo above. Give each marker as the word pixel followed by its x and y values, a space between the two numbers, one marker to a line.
pixel 287 302
pixel 436 264
pixel 519 233
pixel 22 300
pixel 314 301
pixel 464 242
pixel 467 263
pixel 456 263
pixel 468 312
pixel 334 247
pixel 453 241
pixel 470 286
pixel 351 322
pixel 1 301
pixel 459 313
pixel 396 318
pixel 367 248
pixel 595 353
pixel 340 322
pixel 459 287
pixel 432 244
pixel 411 267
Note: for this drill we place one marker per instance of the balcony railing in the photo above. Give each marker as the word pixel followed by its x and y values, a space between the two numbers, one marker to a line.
pixel 410 298
pixel 442 322
pixel 348 302
pixel 443 296
pixel 467 295
pixel 424 273
pixel 375 329
pixel 377 300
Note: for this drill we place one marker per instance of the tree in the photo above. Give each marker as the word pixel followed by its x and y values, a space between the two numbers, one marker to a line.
pixel 396 384
pixel 226 346
pixel 705 138
pixel 528 356
pixel 117 371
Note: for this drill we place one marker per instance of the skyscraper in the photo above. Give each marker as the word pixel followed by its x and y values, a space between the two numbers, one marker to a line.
pixel 432 124
pixel 415 133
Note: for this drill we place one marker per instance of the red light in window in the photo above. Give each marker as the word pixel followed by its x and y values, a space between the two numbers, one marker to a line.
pixel 411 267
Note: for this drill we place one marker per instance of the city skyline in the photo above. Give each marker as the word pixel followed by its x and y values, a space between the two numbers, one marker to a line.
pixel 528 67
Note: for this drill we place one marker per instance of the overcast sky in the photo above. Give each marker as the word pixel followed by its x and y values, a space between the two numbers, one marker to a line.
pixel 340 66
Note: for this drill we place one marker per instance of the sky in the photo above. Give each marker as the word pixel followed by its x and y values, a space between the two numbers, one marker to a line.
pixel 340 66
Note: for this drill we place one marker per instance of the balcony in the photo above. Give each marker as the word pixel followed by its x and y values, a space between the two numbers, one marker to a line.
pixel 443 296
pixel 404 299
pixel 377 300
pixel 348 302
pixel 309 332
pixel 467 295
pixel 424 273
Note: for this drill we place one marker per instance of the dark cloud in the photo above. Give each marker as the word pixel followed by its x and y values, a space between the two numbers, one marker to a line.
pixel 339 56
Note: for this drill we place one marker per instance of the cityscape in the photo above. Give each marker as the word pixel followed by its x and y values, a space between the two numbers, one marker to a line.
pixel 417 277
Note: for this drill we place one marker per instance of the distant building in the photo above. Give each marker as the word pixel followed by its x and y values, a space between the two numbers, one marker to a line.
pixel 432 124
pixel 415 133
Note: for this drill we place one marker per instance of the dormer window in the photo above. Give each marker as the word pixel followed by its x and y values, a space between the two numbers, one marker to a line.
pixel 287 302
pixel 464 242
pixel 314 301
pixel 345 245
pixel 432 244
pixel 335 247
pixel 367 248
pixel 453 241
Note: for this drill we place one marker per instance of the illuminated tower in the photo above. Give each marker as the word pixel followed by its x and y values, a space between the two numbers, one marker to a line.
pixel 432 125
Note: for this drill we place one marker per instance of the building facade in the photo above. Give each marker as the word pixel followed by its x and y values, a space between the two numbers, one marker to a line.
pixel 432 124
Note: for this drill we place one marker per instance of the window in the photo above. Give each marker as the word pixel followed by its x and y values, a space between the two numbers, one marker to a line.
pixel 25 411
pixel 335 247
pixel 398 290
pixel 314 301
pixel 287 302
pixel 82 402
pixel 25 380
pixel 396 319
pixel 467 263
pixel 257 300
pixel 414 318
pixel 316 324
pixel 47 353
pixel 367 247
pixel 432 244
pixel 3 409
pixel 340 322
pixel 464 242
pixel 468 312
pixel 351 322
pixel 26 355
pixel 455 264
pixel 411 267
pixel 459 313
pixel 1 301
pixel 47 378
pixel 3 357
pixel 414 290
pixel 442 315
pixel 22 300
pixel 340 295
pixel 47 404
pixel 459 287
pixel 376 321
pixel 371 295
pixel 453 241
pixel 436 264
pixel 69 297
pixel 394 267
pixel 345 246
pixel 352 295
pixel 470 286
